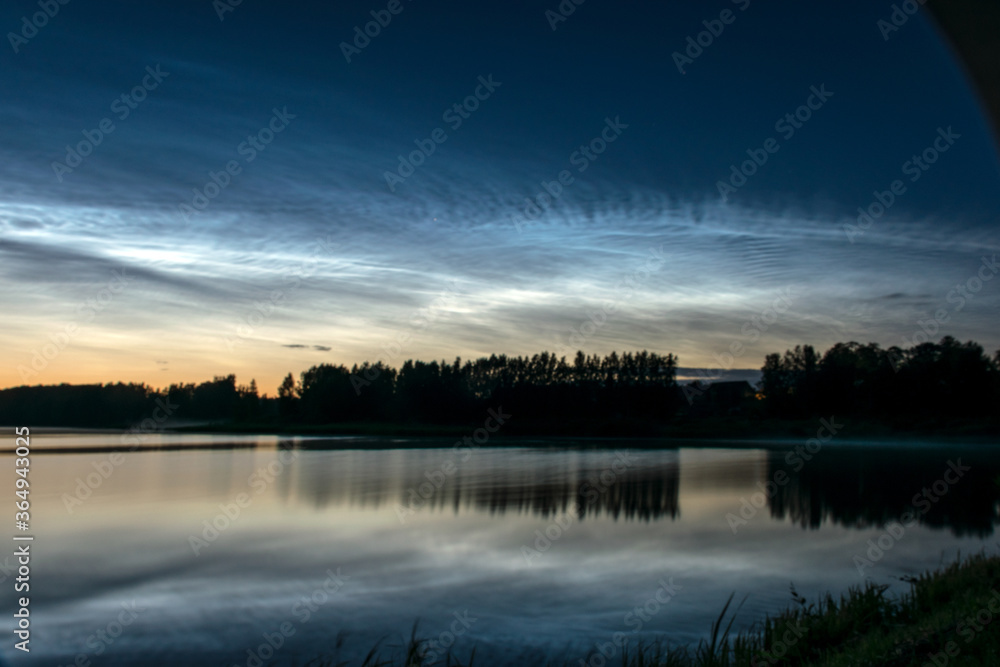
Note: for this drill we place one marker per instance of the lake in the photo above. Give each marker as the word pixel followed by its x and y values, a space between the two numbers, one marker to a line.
pixel 238 550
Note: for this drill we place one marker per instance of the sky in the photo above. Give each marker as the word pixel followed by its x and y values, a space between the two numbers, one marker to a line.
pixel 192 189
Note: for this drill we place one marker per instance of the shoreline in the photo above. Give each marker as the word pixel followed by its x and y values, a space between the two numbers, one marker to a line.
pixel 734 431
pixel 375 436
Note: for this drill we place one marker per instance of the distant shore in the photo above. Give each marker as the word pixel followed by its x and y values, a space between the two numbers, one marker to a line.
pixel 716 429
pixel 727 433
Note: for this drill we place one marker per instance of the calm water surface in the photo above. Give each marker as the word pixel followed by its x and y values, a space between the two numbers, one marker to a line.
pixel 523 552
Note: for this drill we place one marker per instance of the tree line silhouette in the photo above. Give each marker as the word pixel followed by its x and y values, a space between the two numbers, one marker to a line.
pixel 637 385
pixel 936 381
pixel 931 381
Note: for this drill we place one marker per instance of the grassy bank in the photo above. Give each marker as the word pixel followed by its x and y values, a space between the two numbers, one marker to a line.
pixel 950 617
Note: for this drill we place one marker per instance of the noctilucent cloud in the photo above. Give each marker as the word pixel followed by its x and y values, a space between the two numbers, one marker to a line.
pixel 193 189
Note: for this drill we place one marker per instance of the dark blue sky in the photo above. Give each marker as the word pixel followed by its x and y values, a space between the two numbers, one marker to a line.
pixel 444 238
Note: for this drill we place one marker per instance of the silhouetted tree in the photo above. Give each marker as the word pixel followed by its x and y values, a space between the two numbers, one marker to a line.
pixel 326 394
pixel 929 381
pixel 288 398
